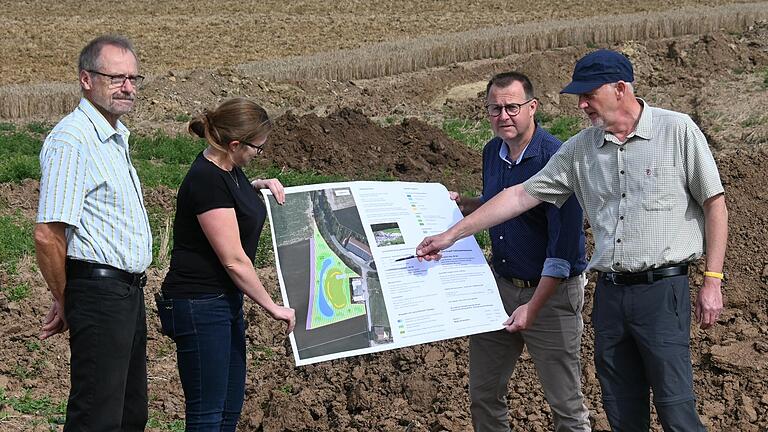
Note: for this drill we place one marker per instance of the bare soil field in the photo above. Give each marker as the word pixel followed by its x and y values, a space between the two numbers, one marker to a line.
pixel 369 127
pixel 41 39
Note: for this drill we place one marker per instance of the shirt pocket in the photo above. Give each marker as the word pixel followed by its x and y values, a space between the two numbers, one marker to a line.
pixel 660 186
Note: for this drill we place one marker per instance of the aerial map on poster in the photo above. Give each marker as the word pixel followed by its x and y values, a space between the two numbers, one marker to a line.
pixel 341 254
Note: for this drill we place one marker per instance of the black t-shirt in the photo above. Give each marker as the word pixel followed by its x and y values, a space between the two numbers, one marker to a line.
pixel 195 269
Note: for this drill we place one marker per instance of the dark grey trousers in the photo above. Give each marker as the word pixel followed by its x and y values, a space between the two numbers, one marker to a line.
pixel 642 335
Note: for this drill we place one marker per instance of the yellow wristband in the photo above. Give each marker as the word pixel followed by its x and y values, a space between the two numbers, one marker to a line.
pixel 714 275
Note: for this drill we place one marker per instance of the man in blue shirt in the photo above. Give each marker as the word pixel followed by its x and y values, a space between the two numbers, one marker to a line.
pixel 538 260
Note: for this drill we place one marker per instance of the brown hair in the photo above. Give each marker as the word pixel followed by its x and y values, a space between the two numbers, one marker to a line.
pixel 505 79
pixel 236 119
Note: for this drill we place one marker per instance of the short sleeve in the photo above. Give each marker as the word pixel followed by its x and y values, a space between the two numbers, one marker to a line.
pixel 555 182
pixel 702 175
pixel 207 190
pixel 62 183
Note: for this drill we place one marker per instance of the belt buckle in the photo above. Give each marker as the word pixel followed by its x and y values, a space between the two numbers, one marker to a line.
pixel 521 283
pixel 142 280
pixel 611 277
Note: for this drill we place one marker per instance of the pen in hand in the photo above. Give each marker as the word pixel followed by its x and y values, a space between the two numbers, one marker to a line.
pixel 406 258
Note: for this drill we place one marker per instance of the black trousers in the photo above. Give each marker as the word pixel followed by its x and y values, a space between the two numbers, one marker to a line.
pixel 108 344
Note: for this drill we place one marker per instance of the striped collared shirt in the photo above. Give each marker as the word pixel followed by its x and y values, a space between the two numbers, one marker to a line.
pixel 89 183
pixel 643 197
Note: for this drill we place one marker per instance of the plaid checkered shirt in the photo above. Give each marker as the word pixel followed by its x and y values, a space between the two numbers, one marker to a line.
pixel 643 197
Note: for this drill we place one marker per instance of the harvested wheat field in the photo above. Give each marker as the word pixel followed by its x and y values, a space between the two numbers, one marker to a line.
pixel 373 84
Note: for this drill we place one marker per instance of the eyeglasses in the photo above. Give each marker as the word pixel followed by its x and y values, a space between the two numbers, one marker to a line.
pixel 259 148
pixel 512 109
pixel 119 80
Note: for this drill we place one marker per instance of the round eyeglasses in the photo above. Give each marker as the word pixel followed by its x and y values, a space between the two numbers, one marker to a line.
pixel 512 109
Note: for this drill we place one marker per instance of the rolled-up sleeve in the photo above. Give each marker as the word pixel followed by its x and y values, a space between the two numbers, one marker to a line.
pixel 564 237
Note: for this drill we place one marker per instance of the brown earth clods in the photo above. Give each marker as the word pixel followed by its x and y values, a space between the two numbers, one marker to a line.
pixel 350 145
pixel 424 388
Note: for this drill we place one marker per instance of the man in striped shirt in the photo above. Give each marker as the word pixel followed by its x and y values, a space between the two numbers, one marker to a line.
pixel 93 244
pixel 650 188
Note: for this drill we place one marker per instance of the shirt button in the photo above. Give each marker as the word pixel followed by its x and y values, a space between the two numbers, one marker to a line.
pixel 503 260
pixel 621 217
pixel 618 264
pixel 621 148
pixel 622 171
pixel 618 240
pixel 501 237
pixel 623 195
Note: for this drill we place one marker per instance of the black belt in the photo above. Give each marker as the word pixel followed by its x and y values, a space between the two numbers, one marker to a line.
pixel 645 277
pixel 522 283
pixel 77 269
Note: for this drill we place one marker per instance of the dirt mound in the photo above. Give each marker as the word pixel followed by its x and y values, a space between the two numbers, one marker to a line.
pixel 743 173
pixel 348 144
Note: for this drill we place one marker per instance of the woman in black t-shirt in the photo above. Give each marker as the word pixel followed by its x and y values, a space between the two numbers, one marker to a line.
pixel 219 217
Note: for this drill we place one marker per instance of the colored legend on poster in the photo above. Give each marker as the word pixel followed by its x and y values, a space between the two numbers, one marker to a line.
pixel 415 209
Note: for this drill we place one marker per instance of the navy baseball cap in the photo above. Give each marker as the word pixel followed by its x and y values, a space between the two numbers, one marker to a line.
pixel 598 68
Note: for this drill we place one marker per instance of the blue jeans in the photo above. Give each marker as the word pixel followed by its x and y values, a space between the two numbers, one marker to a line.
pixel 209 332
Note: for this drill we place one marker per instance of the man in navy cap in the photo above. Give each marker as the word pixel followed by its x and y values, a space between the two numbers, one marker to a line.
pixel 651 190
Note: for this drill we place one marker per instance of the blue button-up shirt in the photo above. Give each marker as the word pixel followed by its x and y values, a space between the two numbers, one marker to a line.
pixel 544 241
pixel 89 183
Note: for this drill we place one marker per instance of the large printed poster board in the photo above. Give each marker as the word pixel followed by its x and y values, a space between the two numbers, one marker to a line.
pixel 339 251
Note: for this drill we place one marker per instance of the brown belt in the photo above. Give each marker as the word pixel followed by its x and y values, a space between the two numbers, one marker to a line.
pixel 522 283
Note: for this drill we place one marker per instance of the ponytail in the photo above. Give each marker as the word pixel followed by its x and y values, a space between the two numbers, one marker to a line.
pixel 236 119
